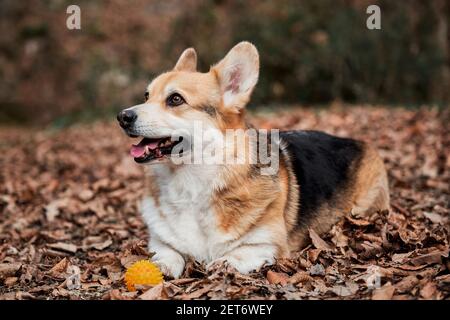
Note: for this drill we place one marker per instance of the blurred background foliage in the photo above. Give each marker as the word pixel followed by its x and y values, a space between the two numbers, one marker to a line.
pixel 312 52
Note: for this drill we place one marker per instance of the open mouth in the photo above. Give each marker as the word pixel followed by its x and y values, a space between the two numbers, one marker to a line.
pixel 153 148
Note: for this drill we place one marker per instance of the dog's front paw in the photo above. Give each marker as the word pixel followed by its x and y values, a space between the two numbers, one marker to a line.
pixel 230 262
pixel 170 265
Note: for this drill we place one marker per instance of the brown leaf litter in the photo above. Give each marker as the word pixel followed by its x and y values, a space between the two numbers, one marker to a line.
pixel 70 225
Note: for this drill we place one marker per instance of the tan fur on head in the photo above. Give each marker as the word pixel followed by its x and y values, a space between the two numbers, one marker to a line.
pixel 217 98
pixel 187 61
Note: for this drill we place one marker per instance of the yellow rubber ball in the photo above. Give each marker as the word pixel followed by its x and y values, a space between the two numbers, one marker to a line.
pixel 142 272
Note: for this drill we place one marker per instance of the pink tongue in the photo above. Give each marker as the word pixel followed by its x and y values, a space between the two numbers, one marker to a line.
pixel 138 150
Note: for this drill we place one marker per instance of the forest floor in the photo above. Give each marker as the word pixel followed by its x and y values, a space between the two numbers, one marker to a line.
pixel 70 225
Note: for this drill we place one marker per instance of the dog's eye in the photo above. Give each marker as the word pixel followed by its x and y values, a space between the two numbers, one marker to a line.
pixel 146 95
pixel 175 100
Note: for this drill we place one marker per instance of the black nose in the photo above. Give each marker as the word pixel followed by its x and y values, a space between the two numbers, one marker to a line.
pixel 126 118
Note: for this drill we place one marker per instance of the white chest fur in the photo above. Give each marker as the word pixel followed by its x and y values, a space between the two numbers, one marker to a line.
pixel 182 216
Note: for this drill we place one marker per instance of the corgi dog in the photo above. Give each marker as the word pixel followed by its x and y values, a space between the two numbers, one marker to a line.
pixel 233 213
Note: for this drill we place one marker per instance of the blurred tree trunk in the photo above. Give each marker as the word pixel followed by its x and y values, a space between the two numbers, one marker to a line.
pixel 442 82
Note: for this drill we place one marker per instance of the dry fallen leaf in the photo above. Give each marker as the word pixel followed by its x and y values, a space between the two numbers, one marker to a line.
pixel 10 281
pixel 86 195
pixel 317 270
pixel 401 257
pixel 434 217
pixel 115 294
pixel 358 222
pixel 384 293
pixel 96 242
pixel 277 277
pixel 406 284
pixel 52 209
pixel 313 254
pixel 300 277
pixel 73 279
pixel 60 268
pixel 198 293
pixel 128 260
pixel 8 269
pixel 68 247
pixel 339 239
pixel 318 242
pixel 430 258
pixel 428 291
pixel 345 291
pixel 155 293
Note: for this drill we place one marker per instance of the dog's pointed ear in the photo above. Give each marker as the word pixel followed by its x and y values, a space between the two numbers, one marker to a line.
pixel 187 61
pixel 238 74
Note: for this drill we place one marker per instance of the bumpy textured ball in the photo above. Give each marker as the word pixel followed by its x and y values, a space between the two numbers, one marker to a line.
pixel 142 272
